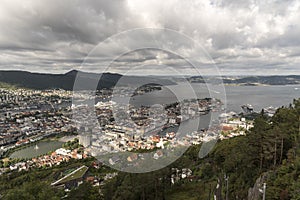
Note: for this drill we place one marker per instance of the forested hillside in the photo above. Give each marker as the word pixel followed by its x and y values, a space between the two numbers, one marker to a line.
pixel 270 151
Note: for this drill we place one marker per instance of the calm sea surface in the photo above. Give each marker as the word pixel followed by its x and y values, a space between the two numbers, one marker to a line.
pixel 233 96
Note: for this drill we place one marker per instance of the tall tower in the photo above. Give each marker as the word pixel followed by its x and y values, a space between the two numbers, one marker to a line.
pixel 85 139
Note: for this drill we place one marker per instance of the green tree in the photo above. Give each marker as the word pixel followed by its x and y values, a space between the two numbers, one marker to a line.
pixel 33 191
pixel 85 191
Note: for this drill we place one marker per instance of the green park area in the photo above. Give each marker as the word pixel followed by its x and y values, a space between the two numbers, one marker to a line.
pixel 76 174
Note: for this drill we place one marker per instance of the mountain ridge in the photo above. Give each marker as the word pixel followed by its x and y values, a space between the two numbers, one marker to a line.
pixel 66 81
pixel 254 80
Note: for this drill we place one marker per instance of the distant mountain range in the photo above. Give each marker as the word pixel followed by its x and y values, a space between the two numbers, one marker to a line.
pixel 254 80
pixel 109 80
pixel 66 81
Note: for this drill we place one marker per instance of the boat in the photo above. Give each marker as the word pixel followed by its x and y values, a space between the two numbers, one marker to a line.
pixel 270 111
pixel 247 108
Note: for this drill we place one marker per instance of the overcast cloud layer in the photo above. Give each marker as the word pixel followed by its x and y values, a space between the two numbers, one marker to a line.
pixel 241 36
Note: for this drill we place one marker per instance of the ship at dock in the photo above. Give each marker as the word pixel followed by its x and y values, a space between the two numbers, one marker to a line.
pixel 247 108
pixel 270 111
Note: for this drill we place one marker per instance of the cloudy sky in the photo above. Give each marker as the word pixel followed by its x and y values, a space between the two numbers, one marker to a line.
pixel 238 36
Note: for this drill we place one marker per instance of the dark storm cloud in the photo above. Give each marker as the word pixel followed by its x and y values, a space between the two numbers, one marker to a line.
pixel 241 36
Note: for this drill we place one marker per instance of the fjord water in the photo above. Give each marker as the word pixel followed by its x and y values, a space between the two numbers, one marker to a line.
pixel 258 96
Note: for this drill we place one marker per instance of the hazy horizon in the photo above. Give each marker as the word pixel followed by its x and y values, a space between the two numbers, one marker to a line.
pixel 162 75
